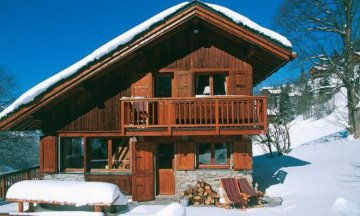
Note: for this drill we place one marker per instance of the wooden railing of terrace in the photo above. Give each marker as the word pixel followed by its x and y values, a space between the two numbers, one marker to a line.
pixel 10 178
pixel 218 115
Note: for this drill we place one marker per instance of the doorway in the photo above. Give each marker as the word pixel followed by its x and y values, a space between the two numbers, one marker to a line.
pixel 165 169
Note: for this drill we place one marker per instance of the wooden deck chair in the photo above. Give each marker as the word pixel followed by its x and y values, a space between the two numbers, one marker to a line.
pixel 232 194
pixel 246 188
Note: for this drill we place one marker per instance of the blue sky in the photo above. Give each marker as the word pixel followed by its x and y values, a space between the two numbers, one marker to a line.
pixel 39 38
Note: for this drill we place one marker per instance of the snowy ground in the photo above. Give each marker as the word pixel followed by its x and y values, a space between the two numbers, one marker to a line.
pixel 314 179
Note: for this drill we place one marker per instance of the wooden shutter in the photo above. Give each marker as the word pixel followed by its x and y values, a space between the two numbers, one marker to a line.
pixel 185 159
pixel 142 85
pixel 48 154
pixel 183 84
pixel 242 82
pixel 142 171
pixel 242 154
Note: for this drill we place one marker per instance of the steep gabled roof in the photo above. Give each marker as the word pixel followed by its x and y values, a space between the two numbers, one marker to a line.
pixel 130 40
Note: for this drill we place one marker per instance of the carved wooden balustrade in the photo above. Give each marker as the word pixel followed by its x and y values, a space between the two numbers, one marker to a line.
pixel 218 115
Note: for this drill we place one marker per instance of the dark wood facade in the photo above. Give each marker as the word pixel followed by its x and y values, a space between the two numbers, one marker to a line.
pixel 206 108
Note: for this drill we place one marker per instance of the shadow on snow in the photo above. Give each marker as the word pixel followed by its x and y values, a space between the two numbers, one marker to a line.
pixel 268 171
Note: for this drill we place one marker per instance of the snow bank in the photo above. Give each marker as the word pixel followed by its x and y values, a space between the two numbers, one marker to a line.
pixel 78 193
pixel 174 209
pixel 344 207
pixel 126 37
pixel 60 213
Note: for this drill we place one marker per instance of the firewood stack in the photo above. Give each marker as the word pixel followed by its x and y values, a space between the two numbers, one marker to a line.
pixel 202 193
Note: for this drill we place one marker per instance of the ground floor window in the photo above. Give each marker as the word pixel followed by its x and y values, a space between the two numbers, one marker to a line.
pixel 213 155
pixel 72 153
pixel 109 154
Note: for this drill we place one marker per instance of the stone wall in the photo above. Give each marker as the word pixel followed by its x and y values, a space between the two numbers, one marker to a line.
pixel 186 179
pixel 64 177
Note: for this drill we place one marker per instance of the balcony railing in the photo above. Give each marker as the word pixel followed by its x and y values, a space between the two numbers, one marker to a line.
pixel 194 116
pixel 10 178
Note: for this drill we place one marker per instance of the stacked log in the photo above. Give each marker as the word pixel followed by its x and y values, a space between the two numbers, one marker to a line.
pixel 201 194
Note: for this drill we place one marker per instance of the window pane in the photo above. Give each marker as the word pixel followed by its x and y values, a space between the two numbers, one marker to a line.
pixel 165 155
pixel 205 153
pixel 219 84
pixel 202 85
pixel 163 86
pixel 99 154
pixel 72 153
pixel 120 154
pixel 221 153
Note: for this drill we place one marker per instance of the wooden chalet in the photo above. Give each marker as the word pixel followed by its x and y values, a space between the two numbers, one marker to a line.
pixel 169 107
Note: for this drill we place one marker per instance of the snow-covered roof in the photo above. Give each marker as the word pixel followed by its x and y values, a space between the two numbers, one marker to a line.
pixel 131 34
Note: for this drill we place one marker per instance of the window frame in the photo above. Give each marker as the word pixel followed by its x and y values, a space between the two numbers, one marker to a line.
pixel 212 164
pixel 211 82
pixel 109 157
pixel 164 74
pixel 62 156
pixel 87 156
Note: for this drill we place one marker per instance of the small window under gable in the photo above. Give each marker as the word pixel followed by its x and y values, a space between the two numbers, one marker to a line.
pixel 210 84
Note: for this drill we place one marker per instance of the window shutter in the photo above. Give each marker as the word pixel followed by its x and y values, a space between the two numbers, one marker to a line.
pixel 48 154
pixel 183 84
pixel 185 159
pixel 242 82
pixel 242 154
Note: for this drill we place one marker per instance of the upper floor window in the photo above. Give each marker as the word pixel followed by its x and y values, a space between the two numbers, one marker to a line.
pixel 163 86
pixel 210 84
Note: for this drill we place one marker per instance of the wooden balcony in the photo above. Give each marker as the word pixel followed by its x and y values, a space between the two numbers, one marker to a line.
pixel 219 115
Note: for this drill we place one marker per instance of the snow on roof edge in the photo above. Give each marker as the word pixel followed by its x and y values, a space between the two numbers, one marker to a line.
pixel 126 37
pixel 240 19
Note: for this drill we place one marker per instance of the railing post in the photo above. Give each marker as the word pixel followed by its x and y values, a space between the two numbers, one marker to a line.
pixel 265 115
pixel 169 119
pixel 26 175
pixel 2 192
pixel 217 116
pixel 122 117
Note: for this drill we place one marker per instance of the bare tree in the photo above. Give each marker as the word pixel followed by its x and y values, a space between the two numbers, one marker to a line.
pixel 8 86
pixel 326 32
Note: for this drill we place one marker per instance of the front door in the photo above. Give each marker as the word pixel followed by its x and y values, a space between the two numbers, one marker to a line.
pixel 165 166
pixel 143 171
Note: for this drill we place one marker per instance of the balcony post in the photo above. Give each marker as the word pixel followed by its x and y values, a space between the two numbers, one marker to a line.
pixel 122 117
pixel 169 119
pixel 265 115
pixel 217 116
pixel 2 192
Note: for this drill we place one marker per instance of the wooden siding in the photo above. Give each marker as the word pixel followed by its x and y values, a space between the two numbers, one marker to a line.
pixel 122 181
pixel 94 106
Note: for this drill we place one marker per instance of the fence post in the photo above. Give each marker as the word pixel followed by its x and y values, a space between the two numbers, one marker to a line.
pixel 2 192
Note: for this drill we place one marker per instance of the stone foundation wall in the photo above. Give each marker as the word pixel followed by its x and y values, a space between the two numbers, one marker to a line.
pixel 186 179
pixel 64 177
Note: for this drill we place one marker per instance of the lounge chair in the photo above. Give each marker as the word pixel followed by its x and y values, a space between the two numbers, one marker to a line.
pixel 232 194
pixel 251 194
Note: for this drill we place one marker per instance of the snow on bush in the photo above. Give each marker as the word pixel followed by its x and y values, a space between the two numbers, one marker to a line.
pixel 78 193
